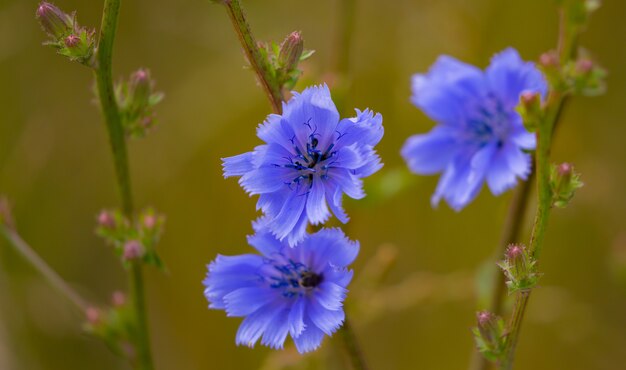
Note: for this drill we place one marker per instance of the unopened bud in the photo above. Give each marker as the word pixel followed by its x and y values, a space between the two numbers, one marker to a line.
pixel 54 21
pixel 93 315
pixel 549 59
pixel 149 221
pixel 291 51
pixel 519 267
pixel 72 41
pixel 106 220
pixel 133 250
pixel 584 66
pixel 564 182
pixel 489 335
pixel 118 299
pixel 140 86
pixel 530 110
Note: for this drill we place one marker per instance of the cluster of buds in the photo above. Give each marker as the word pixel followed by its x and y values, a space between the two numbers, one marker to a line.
pixel 132 240
pixel 66 35
pixel 520 269
pixel 283 59
pixel 136 100
pixel 563 182
pixel 490 335
pixel 115 325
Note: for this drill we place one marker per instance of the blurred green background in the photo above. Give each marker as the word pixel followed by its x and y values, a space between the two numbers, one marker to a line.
pixel 56 169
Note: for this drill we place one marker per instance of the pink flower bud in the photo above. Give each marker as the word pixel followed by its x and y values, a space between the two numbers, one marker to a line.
pixel 149 221
pixel 106 219
pixel 72 40
pixel 93 315
pixel 549 59
pixel 290 51
pixel 54 21
pixel 584 66
pixel 133 250
pixel 118 299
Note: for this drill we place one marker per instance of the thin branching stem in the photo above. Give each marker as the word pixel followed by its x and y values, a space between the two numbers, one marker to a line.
pixel 117 140
pixel 29 254
pixel 260 66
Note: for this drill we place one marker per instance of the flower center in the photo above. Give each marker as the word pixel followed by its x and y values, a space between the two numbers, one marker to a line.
pixel 294 279
pixel 312 161
pixel 489 122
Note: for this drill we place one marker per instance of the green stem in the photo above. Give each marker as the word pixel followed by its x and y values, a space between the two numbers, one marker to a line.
pixel 510 234
pixel 117 140
pixel 352 346
pixel 42 267
pixel 258 63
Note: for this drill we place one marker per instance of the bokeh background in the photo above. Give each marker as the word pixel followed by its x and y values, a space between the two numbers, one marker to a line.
pixel 414 297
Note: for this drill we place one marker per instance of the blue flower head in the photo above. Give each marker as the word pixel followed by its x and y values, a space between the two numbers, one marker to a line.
pixel 309 160
pixel 297 291
pixel 479 136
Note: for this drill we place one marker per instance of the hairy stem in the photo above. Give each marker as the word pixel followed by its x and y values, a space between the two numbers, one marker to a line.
pixel 258 63
pixel 352 347
pixel 42 267
pixel 117 139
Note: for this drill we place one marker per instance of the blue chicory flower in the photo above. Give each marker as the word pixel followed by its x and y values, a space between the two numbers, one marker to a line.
pixel 297 291
pixel 309 160
pixel 479 136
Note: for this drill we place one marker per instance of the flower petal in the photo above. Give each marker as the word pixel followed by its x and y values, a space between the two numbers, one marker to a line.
pixel 316 208
pixel 430 153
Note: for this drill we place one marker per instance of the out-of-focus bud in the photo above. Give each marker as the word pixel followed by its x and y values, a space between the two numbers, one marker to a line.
pixel 564 183
pixel 106 219
pixel 489 335
pixel 132 250
pixel 118 299
pixel 54 21
pixel 520 268
pixel 93 315
pixel 530 109
pixel 549 60
pixel 584 66
pixel 290 51
pixel 137 99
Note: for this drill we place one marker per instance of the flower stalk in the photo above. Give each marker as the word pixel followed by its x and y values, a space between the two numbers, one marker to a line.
pixel 259 64
pixel 117 140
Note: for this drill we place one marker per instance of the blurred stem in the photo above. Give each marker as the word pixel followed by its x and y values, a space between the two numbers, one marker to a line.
pixel 117 141
pixel 352 347
pixel 42 267
pixel 257 61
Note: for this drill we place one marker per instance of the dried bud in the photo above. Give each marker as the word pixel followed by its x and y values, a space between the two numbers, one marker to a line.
pixel 54 21
pixel 564 183
pixel 106 220
pixel 118 299
pixel 133 250
pixel 93 315
pixel 290 52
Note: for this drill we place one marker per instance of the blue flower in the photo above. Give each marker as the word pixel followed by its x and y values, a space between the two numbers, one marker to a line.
pixel 297 291
pixel 309 160
pixel 479 137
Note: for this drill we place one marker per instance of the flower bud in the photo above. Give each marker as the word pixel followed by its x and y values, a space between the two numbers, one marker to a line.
pixel 564 183
pixel 140 87
pixel 118 299
pixel 72 41
pixel 54 21
pixel 530 110
pixel 106 220
pixel 489 335
pixel 290 52
pixel 584 66
pixel 549 60
pixel 132 250
pixel 93 315
pixel 519 267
